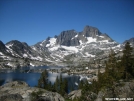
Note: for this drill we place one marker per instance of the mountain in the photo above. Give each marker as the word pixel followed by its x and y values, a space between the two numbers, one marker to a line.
pixel 16 54
pixel 131 41
pixel 2 48
pixel 73 38
pixel 69 47
pixel 89 43
pixel 21 49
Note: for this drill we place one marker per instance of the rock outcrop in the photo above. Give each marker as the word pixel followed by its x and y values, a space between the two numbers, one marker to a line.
pixel 120 90
pixel 74 94
pixel 20 91
pixel 2 48
pixel 65 38
pixel 131 41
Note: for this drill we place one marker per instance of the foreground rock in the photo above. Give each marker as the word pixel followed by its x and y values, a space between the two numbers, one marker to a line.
pixel 121 90
pixel 74 94
pixel 20 91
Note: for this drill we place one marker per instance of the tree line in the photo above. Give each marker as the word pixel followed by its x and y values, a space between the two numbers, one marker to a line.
pixel 60 85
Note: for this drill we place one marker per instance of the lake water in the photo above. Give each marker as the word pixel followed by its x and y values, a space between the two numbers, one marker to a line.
pixel 32 78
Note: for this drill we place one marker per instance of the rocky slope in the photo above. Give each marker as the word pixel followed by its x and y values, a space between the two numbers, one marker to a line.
pixel 69 47
pixel 122 91
pixel 131 41
pixel 20 91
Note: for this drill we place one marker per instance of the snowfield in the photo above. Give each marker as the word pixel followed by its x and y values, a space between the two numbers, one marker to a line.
pixel 52 42
pixel 90 39
pixel 71 48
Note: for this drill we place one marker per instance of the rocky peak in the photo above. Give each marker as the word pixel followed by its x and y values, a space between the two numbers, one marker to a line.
pixel 18 47
pixel 106 37
pixel 2 44
pixel 73 38
pixel 131 41
pixel 2 47
pixel 91 32
pixel 14 42
pixel 25 44
pixel 65 37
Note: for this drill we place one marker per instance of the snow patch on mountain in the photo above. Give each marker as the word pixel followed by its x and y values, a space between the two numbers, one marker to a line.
pixel 80 42
pixel 104 41
pixel 90 39
pixel 118 46
pixel 102 36
pixel 34 48
pixel 25 55
pixel 36 58
pixel 42 43
pixel 9 50
pixel 89 55
pixel 9 45
pixel 76 84
pixel 75 37
pixel 54 48
pixel 32 65
pixel 9 64
pixel 52 42
pixel 1 53
pixel 70 48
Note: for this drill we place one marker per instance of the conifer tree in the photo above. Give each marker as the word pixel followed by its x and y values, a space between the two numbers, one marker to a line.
pixel 57 83
pixel 61 81
pixel 65 85
pixel 127 62
pixel 43 81
pixel 81 84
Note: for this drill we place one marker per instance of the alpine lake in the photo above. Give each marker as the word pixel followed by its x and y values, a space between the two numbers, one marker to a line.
pixel 31 75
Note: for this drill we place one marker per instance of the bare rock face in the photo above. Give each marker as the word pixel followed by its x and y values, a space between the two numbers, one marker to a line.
pixel 74 94
pixel 3 47
pixel 121 90
pixel 11 97
pixel 90 31
pixel 20 91
pixel 131 41
pixel 65 38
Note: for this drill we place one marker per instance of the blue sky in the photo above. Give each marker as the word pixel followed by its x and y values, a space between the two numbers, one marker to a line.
pixel 32 21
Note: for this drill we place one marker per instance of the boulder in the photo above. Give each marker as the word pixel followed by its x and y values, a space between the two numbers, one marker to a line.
pixel 74 94
pixel 120 90
pixel 20 91
pixel 11 97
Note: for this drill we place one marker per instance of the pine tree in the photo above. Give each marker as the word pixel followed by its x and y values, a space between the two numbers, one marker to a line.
pixel 99 78
pixel 81 84
pixel 127 62
pixel 61 81
pixel 43 81
pixel 57 83
pixel 107 78
pixel 112 64
pixel 65 85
